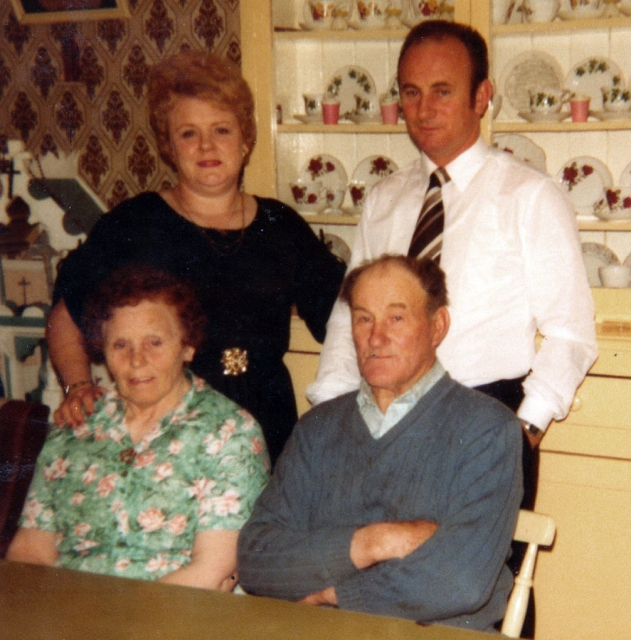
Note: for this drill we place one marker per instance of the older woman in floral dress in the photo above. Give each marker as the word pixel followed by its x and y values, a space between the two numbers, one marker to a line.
pixel 157 482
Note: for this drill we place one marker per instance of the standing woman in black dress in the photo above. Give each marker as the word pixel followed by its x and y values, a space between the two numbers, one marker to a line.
pixel 251 259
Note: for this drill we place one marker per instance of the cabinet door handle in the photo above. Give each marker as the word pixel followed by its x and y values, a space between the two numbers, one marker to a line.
pixel 577 403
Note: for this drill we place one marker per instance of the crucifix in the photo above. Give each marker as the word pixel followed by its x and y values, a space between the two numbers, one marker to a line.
pixel 7 166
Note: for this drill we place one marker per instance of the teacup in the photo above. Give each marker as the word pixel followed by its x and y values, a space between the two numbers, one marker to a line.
pixel 541 10
pixel 313 103
pixel 616 99
pixel 583 8
pixel 372 13
pixel 321 12
pixel 308 195
pixel 548 100
pixel 624 6
pixel 616 205
pixel 358 191
pixel 334 199
pixel 615 275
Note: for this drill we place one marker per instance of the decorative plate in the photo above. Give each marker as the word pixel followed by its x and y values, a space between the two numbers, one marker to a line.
pixel 326 169
pixel 611 115
pixel 581 11
pixel 521 147
pixel 305 119
pixel 367 173
pixel 627 260
pixel 529 70
pixel 421 10
pixel 589 76
pixel 625 176
pixel 535 116
pixel 585 179
pixel 355 89
pixel 393 88
pixel 336 246
pixel 597 255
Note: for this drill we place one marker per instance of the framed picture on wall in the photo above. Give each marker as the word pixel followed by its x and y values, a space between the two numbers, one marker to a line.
pixel 43 11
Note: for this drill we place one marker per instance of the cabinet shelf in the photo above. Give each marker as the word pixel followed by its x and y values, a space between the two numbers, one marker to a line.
pixel 601 225
pixel 560 26
pixel 341 128
pixel 347 219
pixel 345 35
pixel 591 125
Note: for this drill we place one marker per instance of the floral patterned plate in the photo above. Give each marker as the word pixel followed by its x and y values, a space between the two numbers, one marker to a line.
pixel 356 91
pixel 581 10
pixel 521 147
pixel 327 170
pixel 597 255
pixel 366 175
pixel 592 74
pixel 625 176
pixel 585 179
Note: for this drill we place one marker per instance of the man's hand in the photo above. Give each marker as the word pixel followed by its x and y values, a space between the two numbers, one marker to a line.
pixel 388 540
pixel 78 405
pixel 326 596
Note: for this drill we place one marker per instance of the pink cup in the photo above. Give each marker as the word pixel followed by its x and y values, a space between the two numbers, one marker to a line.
pixel 330 112
pixel 579 107
pixel 390 113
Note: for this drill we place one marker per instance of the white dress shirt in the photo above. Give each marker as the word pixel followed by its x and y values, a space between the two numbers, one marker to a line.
pixel 512 256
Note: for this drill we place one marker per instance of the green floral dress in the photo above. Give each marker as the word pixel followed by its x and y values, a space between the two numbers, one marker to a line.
pixel 133 510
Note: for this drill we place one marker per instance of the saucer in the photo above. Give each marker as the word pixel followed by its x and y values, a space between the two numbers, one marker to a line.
pixel 533 116
pixel 611 115
pixel 305 119
pixel 368 118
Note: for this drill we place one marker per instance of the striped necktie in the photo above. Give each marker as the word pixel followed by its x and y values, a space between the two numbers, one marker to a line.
pixel 427 240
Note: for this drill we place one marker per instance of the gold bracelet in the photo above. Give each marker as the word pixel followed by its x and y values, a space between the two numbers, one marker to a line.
pixel 77 385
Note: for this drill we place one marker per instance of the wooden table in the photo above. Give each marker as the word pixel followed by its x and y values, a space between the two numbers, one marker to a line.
pixel 42 602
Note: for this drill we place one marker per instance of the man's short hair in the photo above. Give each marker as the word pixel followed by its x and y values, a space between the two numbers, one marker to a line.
pixel 428 274
pixel 440 30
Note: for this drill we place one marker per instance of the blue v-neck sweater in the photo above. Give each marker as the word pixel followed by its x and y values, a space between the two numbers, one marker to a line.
pixel 455 459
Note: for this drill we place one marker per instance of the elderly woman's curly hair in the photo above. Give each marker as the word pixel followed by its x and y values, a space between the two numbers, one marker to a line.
pixel 203 75
pixel 129 286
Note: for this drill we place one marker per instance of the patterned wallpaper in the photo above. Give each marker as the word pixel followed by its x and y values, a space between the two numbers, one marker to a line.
pixel 81 87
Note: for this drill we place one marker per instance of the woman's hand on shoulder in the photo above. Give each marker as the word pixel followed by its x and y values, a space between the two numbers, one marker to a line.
pixel 78 405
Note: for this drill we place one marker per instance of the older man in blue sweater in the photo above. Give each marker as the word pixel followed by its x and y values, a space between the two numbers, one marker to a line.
pixel 400 499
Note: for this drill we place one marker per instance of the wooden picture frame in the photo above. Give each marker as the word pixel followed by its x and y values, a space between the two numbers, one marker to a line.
pixel 47 11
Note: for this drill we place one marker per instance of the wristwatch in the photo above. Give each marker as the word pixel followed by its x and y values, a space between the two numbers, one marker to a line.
pixel 532 429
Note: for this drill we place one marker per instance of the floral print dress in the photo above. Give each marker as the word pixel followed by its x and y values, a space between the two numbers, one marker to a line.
pixel 134 510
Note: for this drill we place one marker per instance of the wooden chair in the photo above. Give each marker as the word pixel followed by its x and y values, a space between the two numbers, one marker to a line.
pixel 23 429
pixel 537 530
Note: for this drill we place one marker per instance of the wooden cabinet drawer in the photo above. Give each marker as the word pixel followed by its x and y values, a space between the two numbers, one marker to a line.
pixel 599 423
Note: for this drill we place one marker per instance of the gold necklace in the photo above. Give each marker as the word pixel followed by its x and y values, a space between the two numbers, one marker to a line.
pixel 223 245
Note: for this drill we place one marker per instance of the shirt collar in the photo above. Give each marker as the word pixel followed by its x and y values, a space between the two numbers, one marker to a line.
pixel 380 423
pixel 465 166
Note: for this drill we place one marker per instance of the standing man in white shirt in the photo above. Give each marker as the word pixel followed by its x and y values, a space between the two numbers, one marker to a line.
pixel 510 246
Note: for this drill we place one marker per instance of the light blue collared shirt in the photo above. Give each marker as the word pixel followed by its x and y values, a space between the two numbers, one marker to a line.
pixel 380 423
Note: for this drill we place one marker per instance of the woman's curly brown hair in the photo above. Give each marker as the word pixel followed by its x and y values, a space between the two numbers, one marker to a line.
pixel 131 285
pixel 203 75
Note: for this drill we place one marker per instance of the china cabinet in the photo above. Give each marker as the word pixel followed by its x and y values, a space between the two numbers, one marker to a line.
pixel 585 476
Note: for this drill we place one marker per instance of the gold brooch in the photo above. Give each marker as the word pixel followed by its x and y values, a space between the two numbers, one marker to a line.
pixel 234 361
